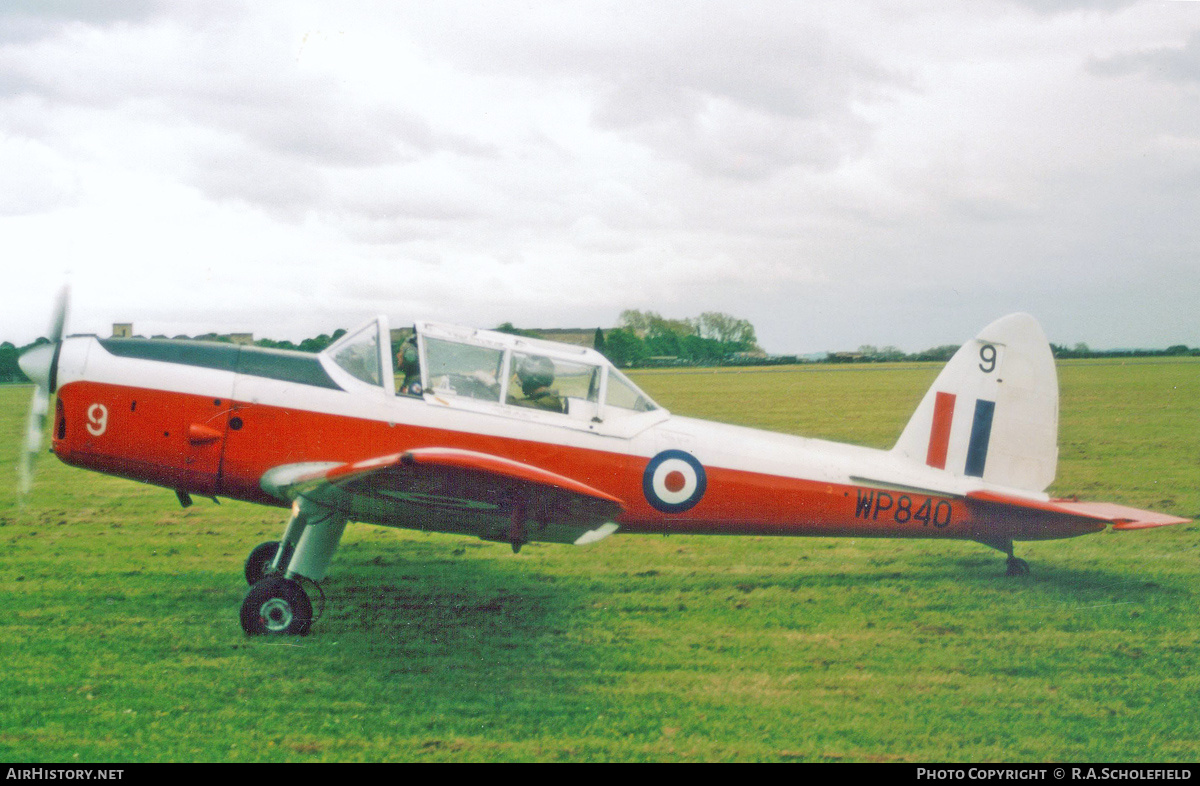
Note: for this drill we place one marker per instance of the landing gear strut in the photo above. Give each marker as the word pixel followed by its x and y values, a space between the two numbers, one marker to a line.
pixel 277 603
pixel 261 561
pixel 1015 566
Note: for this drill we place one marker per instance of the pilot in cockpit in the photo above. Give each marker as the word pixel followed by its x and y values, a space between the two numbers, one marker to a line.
pixel 536 374
pixel 408 363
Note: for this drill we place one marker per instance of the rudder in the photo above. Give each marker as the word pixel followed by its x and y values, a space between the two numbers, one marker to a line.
pixel 993 411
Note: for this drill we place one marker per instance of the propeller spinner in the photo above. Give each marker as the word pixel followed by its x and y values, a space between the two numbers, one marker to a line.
pixel 40 364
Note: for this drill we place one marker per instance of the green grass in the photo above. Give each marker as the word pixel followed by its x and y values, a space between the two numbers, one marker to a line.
pixel 120 639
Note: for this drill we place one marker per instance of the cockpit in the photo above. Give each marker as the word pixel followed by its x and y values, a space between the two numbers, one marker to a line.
pixel 488 371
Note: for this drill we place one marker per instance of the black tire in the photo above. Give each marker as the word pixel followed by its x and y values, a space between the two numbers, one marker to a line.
pixel 276 606
pixel 1016 567
pixel 262 556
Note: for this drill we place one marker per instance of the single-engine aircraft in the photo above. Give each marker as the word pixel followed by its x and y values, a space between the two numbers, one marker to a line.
pixel 515 440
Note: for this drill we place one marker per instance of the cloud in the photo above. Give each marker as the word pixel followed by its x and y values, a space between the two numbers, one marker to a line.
pixel 823 171
pixel 245 118
pixel 25 20
pixel 732 90
pixel 1052 7
pixel 1179 64
pixel 36 179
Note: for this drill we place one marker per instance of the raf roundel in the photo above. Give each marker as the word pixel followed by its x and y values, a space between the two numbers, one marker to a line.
pixel 674 481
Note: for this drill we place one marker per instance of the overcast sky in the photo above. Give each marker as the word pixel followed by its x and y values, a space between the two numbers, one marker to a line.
pixel 838 173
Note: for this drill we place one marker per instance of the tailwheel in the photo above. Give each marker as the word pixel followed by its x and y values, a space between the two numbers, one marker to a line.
pixel 259 562
pixel 276 606
pixel 1017 567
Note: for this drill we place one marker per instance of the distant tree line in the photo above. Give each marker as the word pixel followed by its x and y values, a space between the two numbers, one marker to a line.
pixel 1083 351
pixel 307 345
pixel 9 370
pixel 645 339
pixel 870 354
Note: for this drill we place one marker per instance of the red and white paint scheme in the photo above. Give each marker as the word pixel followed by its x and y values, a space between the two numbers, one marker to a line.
pixel 472 441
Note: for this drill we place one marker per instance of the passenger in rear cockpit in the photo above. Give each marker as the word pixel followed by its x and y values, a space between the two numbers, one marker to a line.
pixel 536 375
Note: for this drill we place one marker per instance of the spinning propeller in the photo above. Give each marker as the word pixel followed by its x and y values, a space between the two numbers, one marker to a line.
pixel 40 364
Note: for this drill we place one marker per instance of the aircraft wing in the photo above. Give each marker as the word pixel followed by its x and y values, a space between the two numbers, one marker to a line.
pixel 1119 516
pixel 451 490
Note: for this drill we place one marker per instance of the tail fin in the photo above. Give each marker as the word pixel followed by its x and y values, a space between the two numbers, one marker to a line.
pixel 993 411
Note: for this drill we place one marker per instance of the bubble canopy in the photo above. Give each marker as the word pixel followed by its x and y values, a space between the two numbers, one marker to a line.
pixel 468 367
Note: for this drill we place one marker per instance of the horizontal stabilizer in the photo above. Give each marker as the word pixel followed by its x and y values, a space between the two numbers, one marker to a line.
pixel 1123 517
pixel 1120 516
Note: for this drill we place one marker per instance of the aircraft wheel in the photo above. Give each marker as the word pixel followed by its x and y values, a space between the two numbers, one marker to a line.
pixel 276 606
pixel 262 556
pixel 1017 567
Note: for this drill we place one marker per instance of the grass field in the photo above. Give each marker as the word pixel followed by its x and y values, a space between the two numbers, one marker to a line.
pixel 120 638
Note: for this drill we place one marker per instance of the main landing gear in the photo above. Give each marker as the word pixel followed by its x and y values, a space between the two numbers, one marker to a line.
pixel 277 603
pixel 278 606
pixel 1014 566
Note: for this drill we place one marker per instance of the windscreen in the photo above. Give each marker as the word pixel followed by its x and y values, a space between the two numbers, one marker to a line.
pixel 623 394
pixel 359 355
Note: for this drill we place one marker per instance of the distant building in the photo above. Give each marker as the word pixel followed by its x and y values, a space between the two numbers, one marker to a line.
pixel 122 330
pixel 245 339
